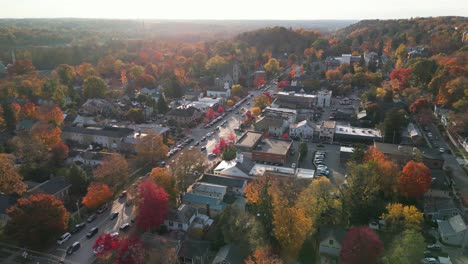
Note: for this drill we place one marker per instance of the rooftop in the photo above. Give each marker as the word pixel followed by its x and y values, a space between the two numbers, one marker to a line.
pixel 453 225
pixel 220 180
pixel 305 173
pixel 270 121
pixel 329 124
pixel 52 186
pixel 115 132
pixel 183 214
pixel 183 112
pixel 357 131
pixel 213 202
pixel 274 146
pixel 303 95
pixel 249 139
pixel 393 149
pixel 260 169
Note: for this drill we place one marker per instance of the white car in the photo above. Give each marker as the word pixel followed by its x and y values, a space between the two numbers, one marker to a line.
pixel 64 238
pixel 293 165
pixel 429 260
pixel 441 150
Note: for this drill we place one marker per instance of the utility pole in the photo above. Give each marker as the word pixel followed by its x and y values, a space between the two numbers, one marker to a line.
pixel 78 207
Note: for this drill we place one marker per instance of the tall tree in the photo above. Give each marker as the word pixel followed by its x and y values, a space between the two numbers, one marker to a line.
pixel 415 179
pixel 94 87
pixel 78 179
pixel 263 255
pixel 113 170
pixel 216 65
pixel 162 178
pixel 387 170
pixel 272 66
pixel 10 180
pixel 66 74
pixel 153 208
pixel 59 153
pixel 97 194
pixel 185 167
pixel 406 248
pixel 261 101
pixel 361 245
pixel 37 220
pixel 46 134
pixel 259 197
pixel 162 105
pixel 151 148
pixel 400 217
pixel 131 251
pixel 50 114
pixel 393 122
pixel 21 67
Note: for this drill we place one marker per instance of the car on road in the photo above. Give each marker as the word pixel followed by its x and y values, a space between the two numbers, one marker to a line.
pixel 293 165
pixel 203 148
pixel 197 143
pixel 433 247
pixel 162 164
pixel 77 228
pixel 102 209
pixel 114 234
pixel 441 150
pixel 114 215
pixel 190 148
pixel 64 238
pixel 429 261
pixel 429 134
pixel 92 218
pixel 73 248
pixel 92 232
pixel 203 138
pixel 123 194
pixel 124 227
pixel 212 155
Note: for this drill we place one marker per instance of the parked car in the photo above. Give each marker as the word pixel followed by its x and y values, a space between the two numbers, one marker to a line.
pixel 92 218
pixel 203 138
pixel 64 238
pixel 73 248
pixel 203 148
pixel 441 150
pixel 212 155
pixel 197 143
pixel 162 164
pixel 124 227
pixel 114 215
pixel 433 247
pixel 114 234
pixel 102 209
pixel 123 194
pixel 92 232
pixel 429 260
pixel 77 228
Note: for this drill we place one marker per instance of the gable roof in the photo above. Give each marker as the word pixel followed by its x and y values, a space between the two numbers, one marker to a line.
pixel 183 214
pixel 452 226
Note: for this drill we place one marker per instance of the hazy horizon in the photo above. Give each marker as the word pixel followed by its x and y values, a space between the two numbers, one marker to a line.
pixel 239 10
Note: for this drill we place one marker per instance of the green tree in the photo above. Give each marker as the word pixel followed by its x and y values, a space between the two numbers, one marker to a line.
pixel 78 178
pixel 229 152
pixel 94 87
pixel 394 120
pixel 407 248
pixel 423 70
pixel 303 150
pixel 66 74
pixel 162 105
pixel 401 52
pixel 135 115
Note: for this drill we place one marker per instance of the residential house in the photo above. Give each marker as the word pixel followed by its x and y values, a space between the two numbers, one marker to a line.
pixel 437 208
pixel 237 168
pixel 181 218
pixel 402 154
pixel 303 129
pixel 109 137
pixel 98 107
pixel 371 57
pixel 84 120
pixel 153 93
pixel 91 158
pixel 150 128
pixel 208 205
pixel 324 98
pixel 194 252
pixel 216 91
pixel 208 189
pixel 193 95
pixel 289 115
pixel 331 241
pixel 413 134
pixel 327 131
pixel 232 184
pixel 273 125
pixel 184 116
pixel 229 254
pixel 57 187
pixel 453 231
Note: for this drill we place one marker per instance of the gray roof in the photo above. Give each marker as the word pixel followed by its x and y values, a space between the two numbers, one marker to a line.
pixel 394 149
pixel 52 186
pixel 183 112
pixel 270 122
pixel 452 226
pixel 246 165
pixel 274 146
pixel 6 201
pixel 224 181
pixel 113 132
pixel 193 248
pixel 326 234
pixel 229 254
pixel 183 214
pixel 213 202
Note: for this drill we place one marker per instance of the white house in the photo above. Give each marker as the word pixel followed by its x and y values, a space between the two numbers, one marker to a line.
pixel 238 168
pixel 304 129
pixel 324 98
pixel 224 92
pixel 182 218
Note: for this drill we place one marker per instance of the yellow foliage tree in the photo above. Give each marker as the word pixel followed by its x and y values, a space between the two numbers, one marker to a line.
pixel 113 170
pixel 230 102
pixel 10 180
pixel 256 111
pixel 151 148
pixel 400 217
pixel 163 179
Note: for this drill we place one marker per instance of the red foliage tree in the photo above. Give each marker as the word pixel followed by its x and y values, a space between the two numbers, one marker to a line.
pixel 59 153
pixel 361 245
pixel 21 67
pixel 415 179
pixel 220 109
pixel 222 144
pixel 402 75
pixel 153 207
pixel 285 136
pixel 105 243
pixel 231 138
pixel 216 150
pixel 131 251
pixel 211 114
pixel 266 134
pixel 283 83
pixel 259 81
pixel 268 96
pixel 419 105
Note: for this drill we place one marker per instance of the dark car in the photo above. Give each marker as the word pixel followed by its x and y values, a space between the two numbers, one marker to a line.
pixel 123 194
pixel 92 218
pixel 114 215
pixel 77 228
pixel 92 232
pixel 124 227
pixel 197 143
pixel 73 248
pixel 203 138
pixel 203 148
pixel 102 208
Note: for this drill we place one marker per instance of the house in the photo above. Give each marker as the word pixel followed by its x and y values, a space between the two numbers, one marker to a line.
pixel 273 125
pixel 327 131
pixel 181 218
pixel 413 133
pixel 193 95
pixel 357 134
pixel 331 241
pixel 229 254
pixel 272 150
pixel 194 252
pixel 184 116
pixel 371 57
pixel 209 205
pixel 153 93
pixel 97 107
pixel 57 187
pixel 289 115
pixel 150 128
pixel 324 98
pixel 402 154
pixel 91 158
pixel 296 100
pixel 208 189
pixel 237 168
pixel 303 129
pixel 436 208
pixel 452 231
pixel 216 91
pixel 109 137
pixel 84 120
pixel 232 184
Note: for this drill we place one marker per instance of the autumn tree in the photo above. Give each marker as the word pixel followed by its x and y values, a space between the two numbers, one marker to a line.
pixel 46 134
pixel 400 217
pixel 10 180
pixel 66 74
pixel 333 75
pixel 387 171
pixel 237 90
pixel 256 111
pixel 106 243
pixel 162 178
pixel 84 71
pixel 153 208
pixel 112 171
pixel 423 69
pixel 361 245
pixel 94 87
pixel 37 220
pixel 407 248
pixel 151 147
pixel 415 179
pixel 418 105
pixel 259 81
pixel 131 251
pixel 258 194
pixel 50 114
pixel 261 101
pixel 21 67
pixel 263 255
pixel 97 194
pixel 216 65
pixel 135 115
pixel 402 76
pixel 272 66
pixel 59 153
pixel 183 170
pixel 210 114
pixel 29 111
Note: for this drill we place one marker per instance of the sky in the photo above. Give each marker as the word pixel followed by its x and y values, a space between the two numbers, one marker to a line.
pixel 232 9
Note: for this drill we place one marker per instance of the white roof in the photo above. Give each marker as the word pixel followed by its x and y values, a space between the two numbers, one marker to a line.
pixel 260 169
pixel 347 149
pixel 285 110
pixel 357 131
pixel 297 94
pixel 305 173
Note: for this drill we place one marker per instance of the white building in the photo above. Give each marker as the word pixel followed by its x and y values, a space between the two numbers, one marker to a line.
pixel 224 92
pixel 304 129
pixel 324 98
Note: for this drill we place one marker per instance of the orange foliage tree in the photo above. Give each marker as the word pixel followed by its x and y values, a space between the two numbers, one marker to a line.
pixel 263 255
pixel 386 169
pixel 29 111
pixel 113 170
pixel 51 114
pixel 36 220
pixel 162 178
pixel 46 134
pixel 97 194
pixel 415 179
pixel 10 180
